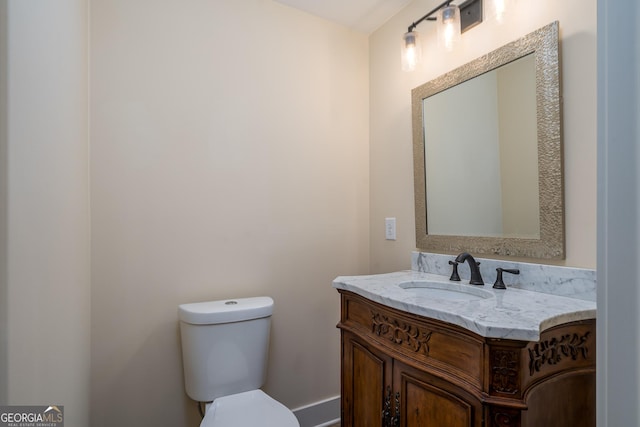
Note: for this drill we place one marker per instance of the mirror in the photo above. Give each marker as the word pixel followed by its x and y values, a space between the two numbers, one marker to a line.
pixel 488 156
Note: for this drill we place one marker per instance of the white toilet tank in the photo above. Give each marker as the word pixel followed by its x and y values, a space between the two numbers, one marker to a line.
pixel 224 346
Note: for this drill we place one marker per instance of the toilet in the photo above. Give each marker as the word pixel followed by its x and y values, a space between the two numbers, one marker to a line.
pixel 224 351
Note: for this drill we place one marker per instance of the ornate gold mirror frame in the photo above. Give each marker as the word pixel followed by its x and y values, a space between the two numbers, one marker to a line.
pixel 543 43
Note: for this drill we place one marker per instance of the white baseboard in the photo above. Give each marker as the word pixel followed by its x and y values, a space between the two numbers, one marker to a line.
pixel 319 414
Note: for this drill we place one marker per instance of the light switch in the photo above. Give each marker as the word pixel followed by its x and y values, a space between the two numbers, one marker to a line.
pixel 390 228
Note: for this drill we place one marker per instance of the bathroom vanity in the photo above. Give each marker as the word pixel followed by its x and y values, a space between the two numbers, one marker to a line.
pixel 413 355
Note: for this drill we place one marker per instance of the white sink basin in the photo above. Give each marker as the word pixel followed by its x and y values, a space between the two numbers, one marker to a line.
pixel 445 291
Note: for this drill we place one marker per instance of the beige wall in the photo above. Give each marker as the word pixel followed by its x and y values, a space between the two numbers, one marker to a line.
pixel 45 275
pixel 228 159
pixel 390 120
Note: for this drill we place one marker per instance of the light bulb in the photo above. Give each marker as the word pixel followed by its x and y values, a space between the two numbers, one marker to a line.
pixel 499 7
pixel 411 51
pixel 448 26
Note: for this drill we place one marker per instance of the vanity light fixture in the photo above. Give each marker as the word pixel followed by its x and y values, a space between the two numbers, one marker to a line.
pixel 452 20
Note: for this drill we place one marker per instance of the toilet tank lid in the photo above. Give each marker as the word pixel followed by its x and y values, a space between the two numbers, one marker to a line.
pixel 225 311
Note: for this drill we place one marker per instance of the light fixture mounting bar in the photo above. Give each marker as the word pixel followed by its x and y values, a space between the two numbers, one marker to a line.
pixel 437 8
pixel 470 14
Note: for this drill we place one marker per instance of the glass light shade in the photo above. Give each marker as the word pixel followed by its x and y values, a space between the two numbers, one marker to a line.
pixel 411 51
pixel 497 9
pixel 448 26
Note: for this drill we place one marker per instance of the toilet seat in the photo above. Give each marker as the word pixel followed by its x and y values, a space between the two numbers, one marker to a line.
pixel 252 408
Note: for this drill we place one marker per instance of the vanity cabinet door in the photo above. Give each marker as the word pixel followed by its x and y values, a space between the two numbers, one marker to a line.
pixel 374 383
pixel 428 401
pixel 366 373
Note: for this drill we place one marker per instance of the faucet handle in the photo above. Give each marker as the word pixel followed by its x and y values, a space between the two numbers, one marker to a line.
pixel 454 274
pixel 499 284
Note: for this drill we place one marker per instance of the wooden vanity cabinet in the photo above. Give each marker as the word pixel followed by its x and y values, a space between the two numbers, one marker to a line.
pixel 399 369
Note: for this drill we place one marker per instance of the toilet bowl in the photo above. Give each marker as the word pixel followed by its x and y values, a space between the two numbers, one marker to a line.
pixel 252 408
pixel 224 351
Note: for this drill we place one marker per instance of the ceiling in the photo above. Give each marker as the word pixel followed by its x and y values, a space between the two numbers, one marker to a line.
pixel 361 15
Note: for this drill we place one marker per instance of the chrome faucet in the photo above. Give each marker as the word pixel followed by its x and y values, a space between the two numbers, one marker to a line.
pixel 476 277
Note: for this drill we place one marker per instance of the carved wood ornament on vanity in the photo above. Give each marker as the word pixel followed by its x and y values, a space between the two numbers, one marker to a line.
pixel 401 333
pixel 401 369
pixel 552 351
pixel 505 371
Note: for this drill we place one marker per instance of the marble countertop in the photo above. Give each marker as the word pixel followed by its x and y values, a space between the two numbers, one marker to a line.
pixel 513 313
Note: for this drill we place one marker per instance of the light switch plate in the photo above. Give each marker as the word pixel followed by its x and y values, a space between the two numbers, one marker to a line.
pixel 390 228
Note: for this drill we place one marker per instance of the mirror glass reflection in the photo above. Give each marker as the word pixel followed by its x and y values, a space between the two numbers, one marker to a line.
pixel 481 155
